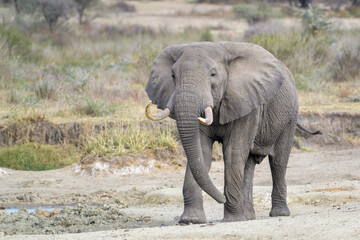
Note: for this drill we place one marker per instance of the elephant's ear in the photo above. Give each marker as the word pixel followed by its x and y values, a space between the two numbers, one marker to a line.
pixel 160 87
pixel 255 76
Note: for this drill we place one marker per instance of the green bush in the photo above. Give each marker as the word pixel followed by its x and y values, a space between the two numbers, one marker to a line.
pixel 206 35
pixel 314 21
pixel 36 157
pixel 18 43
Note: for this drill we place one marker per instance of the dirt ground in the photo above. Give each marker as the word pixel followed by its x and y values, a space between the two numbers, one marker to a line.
pixel 323 195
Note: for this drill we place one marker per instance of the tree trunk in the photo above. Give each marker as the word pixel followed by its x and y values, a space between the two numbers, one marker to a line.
pixel 17 9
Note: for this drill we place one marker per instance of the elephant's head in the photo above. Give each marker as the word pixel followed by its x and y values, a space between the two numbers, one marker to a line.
pixel 221 82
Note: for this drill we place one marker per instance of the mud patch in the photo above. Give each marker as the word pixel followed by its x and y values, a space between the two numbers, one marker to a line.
pixel 82 218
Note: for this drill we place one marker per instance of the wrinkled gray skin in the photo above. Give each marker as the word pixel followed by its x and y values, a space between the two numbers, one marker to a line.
pixel 255 111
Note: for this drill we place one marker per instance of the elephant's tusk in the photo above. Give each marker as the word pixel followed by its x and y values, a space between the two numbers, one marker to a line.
pixel 208 117
pixel 157 116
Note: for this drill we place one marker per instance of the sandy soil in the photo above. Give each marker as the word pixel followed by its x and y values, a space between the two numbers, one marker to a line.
pixel 323 195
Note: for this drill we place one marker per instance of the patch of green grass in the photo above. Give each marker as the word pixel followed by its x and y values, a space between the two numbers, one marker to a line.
pixel 37 157
pixel 18 43
pixel 92 107
pixel 130 138
pixel 299 144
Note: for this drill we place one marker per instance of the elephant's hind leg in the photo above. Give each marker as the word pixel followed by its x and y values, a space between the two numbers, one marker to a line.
pixel 278 164
pixel 192 193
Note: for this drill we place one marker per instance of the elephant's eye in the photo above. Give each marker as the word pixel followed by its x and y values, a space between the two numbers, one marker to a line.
pixel 213 74
pixel 173 76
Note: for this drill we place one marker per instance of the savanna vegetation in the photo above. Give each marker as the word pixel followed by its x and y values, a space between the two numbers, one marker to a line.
pixel 56 64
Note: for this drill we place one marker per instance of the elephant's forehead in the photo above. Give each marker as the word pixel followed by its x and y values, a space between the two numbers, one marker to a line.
pixel 205 51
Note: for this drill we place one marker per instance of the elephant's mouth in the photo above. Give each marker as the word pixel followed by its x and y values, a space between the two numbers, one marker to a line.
pixel 166 112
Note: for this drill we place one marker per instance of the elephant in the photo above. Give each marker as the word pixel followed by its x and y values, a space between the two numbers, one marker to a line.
pixel 235 93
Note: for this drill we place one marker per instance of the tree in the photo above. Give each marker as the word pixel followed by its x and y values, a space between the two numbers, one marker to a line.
pixel 53 10
pixel 25 6
pixel 81 5
pixel 17 9
pixel 305 3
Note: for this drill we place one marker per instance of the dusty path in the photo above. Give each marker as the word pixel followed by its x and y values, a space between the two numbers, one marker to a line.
pixel 323 194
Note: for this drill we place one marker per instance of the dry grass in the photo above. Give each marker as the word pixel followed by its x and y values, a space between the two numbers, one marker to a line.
pixel 127 137
pixel 336 97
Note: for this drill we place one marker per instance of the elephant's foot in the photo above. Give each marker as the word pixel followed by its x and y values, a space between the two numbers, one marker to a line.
pixel 249 212
pixel 234 218
pixel 192 216
pixel 279 210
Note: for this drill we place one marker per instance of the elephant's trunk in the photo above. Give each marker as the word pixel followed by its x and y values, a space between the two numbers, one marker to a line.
pixel 188 108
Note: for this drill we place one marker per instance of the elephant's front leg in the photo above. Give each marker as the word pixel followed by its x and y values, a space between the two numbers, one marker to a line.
pixel 193 202
pixel 247 190
pixel 234 172
pixel 236 148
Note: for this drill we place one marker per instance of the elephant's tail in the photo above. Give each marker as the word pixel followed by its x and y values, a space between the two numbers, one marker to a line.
pixel 307 130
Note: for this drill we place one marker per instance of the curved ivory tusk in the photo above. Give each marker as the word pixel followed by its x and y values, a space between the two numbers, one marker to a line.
pixel 157 116
pixel 208 117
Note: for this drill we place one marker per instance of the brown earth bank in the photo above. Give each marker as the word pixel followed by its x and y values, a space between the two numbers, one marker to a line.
pixel 338 130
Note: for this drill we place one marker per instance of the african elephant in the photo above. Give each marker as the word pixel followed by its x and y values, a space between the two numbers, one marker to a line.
pixel 240 95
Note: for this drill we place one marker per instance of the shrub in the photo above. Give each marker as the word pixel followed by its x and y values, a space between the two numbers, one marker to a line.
pixel 77 79
pixel 50 84
pixel 265 28
pixel 37 157
pixel 95 108
pixel 346 63
pixel 25 6
pixel 314 21
pixel 46 88
pixel 206 35
pixel 127 30
pixel 81 6
pixel 125 7
pixel 18 43
pixel 256 12
pixel 52 10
